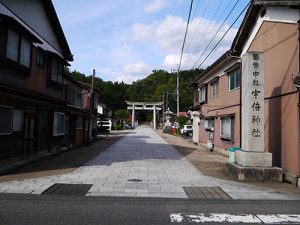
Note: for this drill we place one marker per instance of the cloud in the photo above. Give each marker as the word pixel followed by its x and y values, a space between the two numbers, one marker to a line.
pixel 133 72
pixel 168 34
pixel 155 6
pixel 141 32
pixel 136 69
pixel 128 74
pixel 88 10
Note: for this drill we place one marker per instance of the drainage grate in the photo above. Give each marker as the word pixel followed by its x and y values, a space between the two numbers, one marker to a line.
pixel 67 189
pixel 135 180
pixel 206 193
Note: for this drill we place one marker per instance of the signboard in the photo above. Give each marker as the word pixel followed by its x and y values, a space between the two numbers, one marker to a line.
pixel 253 102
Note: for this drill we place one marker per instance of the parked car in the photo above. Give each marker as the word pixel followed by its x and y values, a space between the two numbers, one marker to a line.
pixel 187 130
pixel 104 125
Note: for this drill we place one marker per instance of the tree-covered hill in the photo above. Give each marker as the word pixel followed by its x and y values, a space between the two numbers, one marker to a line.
pixel 151 88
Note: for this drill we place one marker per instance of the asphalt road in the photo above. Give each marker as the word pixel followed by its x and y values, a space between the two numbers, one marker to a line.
pixel 36 209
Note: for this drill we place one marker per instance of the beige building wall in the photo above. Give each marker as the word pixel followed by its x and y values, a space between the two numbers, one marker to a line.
pixel 278 41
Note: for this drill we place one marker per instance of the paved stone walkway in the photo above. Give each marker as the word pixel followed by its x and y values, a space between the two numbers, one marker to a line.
pixel 142 164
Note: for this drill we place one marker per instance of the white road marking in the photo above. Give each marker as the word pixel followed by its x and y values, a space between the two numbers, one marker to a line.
pixel 280 219
pixel 241 218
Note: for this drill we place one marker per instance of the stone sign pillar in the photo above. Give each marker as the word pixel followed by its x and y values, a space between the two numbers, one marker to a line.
pixel 252 153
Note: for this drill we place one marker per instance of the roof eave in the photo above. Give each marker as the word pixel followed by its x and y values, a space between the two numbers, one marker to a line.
pixel 208 69
pixel 60 33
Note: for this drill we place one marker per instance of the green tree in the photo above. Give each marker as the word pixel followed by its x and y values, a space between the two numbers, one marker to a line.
pixel 182 120
pixel 122 115
pixel 151 88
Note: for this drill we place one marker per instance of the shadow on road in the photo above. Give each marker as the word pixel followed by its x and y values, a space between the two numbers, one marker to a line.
pixel 62 162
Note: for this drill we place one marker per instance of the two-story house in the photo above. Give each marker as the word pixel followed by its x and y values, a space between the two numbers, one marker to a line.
pixel 75 114
pixel 269 32
pixel 217 98
pixel 90 105
pixel 33 53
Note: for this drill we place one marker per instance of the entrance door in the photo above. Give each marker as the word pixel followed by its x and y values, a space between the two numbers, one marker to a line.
pixel 29 144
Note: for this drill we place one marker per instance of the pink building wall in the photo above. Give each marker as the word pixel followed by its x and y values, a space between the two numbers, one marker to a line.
pixel 278 41
pixel 226 104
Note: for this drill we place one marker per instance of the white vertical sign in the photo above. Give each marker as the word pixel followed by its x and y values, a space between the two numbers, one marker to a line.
pixel 253 102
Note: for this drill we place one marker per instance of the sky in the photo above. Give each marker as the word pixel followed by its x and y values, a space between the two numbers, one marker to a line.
pixel 125 40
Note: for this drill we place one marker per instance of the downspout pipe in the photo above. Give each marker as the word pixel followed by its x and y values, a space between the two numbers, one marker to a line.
pixel 298 89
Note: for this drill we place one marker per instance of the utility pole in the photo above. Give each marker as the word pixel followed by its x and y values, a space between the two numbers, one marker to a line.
pixel 177 92
pixel 90 107
pixel 163 125
pixel 181 54
pixel 167 100
pixel 177 88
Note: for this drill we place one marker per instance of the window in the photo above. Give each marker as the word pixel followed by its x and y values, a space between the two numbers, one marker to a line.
pixel 202 94
pixel 226 128
pixel 235 79
pixel 12 50
pixel 197 96
pixel 209 123
pixel 6 115
pixel 214 89
pixel 18 48
pixel 95 101
pixel 86 125
pixel 57 71
pixel 79 123
pixel 74 98
pixel 40 59
pixel 58 124
pixel 18 120
pixel 66 125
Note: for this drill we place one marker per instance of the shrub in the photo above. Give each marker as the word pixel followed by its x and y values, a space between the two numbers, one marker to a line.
pixel 119 127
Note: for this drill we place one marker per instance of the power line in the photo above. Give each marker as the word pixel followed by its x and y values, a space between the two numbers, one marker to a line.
pixel 196 9
pixel 216 34
pixel 187 26
pixel 177 85
pixel 208 27
pixel 192 35
pixel 224 34
pixel 192 18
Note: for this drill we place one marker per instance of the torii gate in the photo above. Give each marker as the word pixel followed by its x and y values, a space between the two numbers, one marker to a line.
pixel 144 106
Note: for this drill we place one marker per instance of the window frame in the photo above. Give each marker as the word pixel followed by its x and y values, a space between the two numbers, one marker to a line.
pixel 23 119
pixel 231 74
pixel 95 101
pixel 11 121
pixel 73 94
pixel 196 95
pixel 79 123
pixel 40 52
pixel 201 98
pixel 57 66
pixel 67 125
pixel 212 84
pixel 21 39
pixel 55 132
pixel 231 124
pixel 209 123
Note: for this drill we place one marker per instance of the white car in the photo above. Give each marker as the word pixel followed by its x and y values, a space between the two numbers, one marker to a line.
pixel 104 124
pixel 187 130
